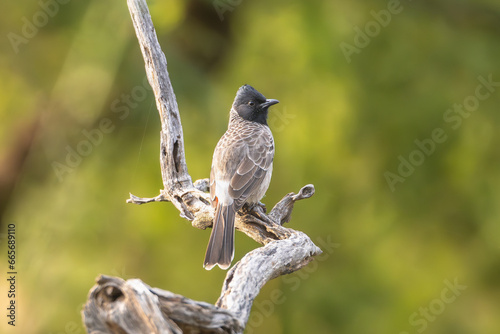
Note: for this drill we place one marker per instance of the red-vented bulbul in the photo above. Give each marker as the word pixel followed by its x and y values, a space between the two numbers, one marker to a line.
pixel 241 170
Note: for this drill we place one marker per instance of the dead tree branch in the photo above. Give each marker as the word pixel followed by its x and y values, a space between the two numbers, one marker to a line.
pixel 118 306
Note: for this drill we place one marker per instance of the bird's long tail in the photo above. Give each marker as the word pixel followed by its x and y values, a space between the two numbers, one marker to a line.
pixel 220 248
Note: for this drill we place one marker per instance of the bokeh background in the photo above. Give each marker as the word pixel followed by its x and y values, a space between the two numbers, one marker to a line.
pixel 417 254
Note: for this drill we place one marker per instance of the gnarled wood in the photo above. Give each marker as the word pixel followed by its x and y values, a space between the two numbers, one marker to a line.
pixel 118 306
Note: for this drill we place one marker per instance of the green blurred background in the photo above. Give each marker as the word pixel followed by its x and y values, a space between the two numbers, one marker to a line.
pixel 390 253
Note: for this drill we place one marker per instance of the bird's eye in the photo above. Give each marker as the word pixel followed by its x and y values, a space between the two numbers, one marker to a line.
pixel 251 103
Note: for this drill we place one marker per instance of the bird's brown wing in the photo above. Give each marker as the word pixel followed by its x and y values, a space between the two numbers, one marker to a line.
pixel 255 164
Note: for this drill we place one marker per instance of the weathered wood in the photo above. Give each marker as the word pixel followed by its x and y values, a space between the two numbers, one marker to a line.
pixel 177 182
pixel 118 306
pixel 245 279
pixel 282 211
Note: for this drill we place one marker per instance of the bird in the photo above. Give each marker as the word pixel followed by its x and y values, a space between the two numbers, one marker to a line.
pixel 241 170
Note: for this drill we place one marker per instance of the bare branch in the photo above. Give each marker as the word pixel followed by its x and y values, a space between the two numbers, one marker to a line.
pixel 246 278
pixel 173 163
pixel 139 200
pixel 282 211
pixel 118 306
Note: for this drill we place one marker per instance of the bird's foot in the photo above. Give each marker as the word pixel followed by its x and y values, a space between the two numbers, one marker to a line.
pixel 258 210
pixel 254 207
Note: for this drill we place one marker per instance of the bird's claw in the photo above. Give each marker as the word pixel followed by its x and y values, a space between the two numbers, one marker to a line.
pixel 258 210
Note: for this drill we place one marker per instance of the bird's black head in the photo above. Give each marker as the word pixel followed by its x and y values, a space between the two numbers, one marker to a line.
pixel 252 105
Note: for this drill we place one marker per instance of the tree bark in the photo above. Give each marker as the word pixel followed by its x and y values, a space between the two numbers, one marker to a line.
pixel 118 306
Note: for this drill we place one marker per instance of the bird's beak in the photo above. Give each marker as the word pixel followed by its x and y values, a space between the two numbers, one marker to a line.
pixel 268 103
